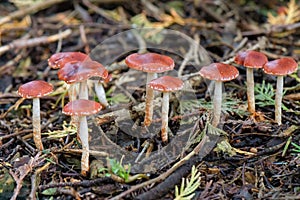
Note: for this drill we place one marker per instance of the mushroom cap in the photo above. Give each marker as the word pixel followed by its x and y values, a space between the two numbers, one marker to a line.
pixel 219 72
pixel 79 71
pixel 35 89
pixel 282 66
pixel 150 62
pixel 166 84
pixel 251 59
pixel 81 107
pixel 59 60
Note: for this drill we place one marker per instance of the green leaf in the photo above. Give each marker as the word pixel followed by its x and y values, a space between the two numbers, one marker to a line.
pixel 49 191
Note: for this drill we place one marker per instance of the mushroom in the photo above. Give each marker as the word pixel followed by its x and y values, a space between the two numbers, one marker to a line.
pixel 83 108
pixel 58 60
pixel 280 68
pixel 165 84
pixel 78 71
pixel 218 72
pixel 100 92
pixel 251 59
pixel 34 90
pixel 152 63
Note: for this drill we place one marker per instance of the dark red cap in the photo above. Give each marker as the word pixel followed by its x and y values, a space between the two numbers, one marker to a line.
pixel 35 89
pixel 59 60
pixel 282 66
pixel 78 71
pixel 219 72
pixel 251 59
pixel 81 107
pixel 150 62
pixel 166 84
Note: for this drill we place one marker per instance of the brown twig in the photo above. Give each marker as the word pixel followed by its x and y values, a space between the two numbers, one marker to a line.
pixel 79 151
pixel 34 180
pixel 22 43
pixel 87 48
pixel 29 10
pixel 22 172
pixel 84 183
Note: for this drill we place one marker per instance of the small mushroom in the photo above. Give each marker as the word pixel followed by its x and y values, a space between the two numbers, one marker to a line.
pixel 280 68
pixel 100 92
pixel 59 60
pixel 218 72
pixel 152 63
pixel 34 90
pixel 165 84
pixel 83 108
pixel 78 71
pixel 251 60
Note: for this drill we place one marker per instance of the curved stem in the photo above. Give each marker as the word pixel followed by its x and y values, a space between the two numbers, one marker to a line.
pixel 149 100
pixel 278 99
pixel 100 92
pixel 164 117
pixel 36 123
pixel 84 138
pixel 217 103
pixel 250 91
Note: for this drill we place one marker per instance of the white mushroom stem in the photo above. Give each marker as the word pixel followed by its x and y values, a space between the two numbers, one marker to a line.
pixel 149 100
pixel 164 117
pixel 100 92
pixel 217 103
pixel 72 91
pixel 36 123
pixel 278 99
pixel 84 138
pixel 250 91
pixel 83 92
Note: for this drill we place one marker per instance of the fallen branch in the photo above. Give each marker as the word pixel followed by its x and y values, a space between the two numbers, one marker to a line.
pixel 30 10
pixel 22 43
pixel 84 183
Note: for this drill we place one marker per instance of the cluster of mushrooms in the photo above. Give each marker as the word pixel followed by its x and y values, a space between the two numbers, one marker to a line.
pixel 77 68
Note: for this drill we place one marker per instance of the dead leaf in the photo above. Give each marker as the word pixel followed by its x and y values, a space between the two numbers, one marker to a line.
pixel 286 15
pixel 293 97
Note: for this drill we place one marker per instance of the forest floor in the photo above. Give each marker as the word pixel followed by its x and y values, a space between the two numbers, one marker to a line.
pixel 243 158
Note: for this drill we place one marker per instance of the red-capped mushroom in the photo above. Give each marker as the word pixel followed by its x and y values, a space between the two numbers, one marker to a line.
pixel 218 72
pixel 74 72
pixel 152 63
pixel 34 90
pixel 251 59
pixel 280 68
pixel 58 60
pixel 83 108
pixel 165 84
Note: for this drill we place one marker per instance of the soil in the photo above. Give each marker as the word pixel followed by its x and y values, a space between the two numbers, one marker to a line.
pixel 245 157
